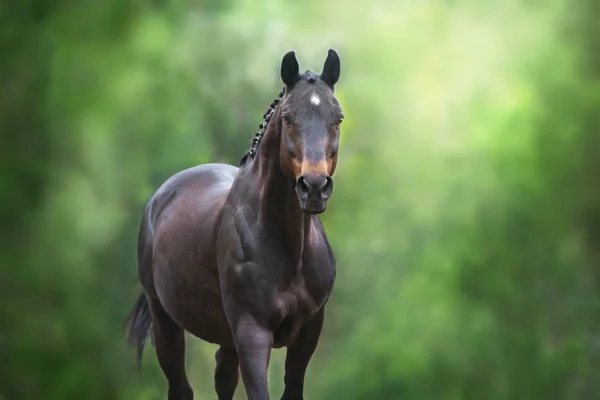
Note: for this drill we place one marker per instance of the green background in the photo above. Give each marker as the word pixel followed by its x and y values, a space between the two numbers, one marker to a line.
pixel 465 216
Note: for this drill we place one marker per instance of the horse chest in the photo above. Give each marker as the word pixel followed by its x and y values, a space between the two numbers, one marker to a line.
pixel 299 300
pixel 303 288
pixel 293 307
pixel 262 276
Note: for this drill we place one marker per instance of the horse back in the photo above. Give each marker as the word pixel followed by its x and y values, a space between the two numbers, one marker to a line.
pixel 207 183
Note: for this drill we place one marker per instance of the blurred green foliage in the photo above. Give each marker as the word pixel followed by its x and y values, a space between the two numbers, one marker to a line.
pixel 466 215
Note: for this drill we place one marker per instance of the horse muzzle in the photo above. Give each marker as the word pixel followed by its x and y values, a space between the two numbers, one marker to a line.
pixel 313 191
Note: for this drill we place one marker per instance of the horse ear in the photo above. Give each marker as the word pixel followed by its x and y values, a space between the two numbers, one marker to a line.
pixel 290 70
pixel 331 68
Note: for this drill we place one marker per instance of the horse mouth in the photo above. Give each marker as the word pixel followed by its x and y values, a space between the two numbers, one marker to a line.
pixel 313 211
pixel 312 203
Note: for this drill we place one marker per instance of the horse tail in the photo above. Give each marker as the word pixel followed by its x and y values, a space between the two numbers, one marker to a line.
pixel 138 325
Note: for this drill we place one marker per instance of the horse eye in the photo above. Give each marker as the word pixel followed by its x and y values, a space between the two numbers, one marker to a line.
pixel 292 152
pixel 339 121
pixel 286 119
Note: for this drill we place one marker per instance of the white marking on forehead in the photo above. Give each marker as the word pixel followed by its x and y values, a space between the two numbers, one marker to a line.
pixel 314 99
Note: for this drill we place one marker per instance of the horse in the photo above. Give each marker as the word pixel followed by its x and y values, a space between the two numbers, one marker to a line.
pixel 237 256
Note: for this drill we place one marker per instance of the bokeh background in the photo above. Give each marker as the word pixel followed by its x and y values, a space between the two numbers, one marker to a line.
pixel 465 217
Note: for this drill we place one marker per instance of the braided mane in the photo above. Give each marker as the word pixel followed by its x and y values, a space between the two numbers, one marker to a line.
pixel 262 129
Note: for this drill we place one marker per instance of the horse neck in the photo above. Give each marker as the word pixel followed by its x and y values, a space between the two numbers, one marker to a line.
pixel 279 208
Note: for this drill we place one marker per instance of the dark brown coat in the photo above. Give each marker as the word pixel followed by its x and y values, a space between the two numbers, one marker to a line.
pixel 238 256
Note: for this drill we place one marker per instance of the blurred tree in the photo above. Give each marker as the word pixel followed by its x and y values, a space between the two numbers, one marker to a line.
pixel 466 207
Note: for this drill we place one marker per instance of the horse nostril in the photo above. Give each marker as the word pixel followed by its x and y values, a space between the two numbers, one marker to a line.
pixel 301 185
pixel 314 185
pixel 327 186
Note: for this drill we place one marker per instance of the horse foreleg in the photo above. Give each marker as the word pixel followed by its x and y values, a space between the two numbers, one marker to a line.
pixel 253 344
pixel 226 373
pixel 298 356
pixel 170 350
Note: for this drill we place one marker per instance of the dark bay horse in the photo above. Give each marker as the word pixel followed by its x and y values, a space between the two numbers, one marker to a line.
pixel 238 256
